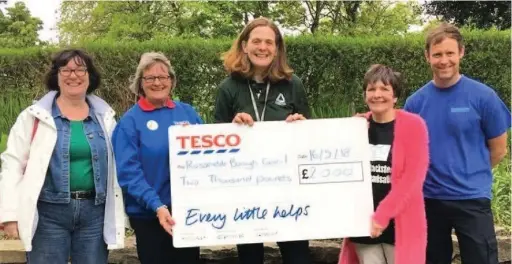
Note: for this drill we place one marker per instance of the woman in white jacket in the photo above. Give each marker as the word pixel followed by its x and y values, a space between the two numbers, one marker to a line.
pixel 58 187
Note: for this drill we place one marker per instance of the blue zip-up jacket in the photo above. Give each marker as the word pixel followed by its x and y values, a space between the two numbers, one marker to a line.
pixel 141 148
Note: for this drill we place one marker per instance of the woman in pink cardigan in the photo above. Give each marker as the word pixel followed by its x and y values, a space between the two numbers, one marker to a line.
pixel 399 142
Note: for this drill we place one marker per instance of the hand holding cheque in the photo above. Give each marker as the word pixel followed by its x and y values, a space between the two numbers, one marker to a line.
pixel 274 181
pixel 244 118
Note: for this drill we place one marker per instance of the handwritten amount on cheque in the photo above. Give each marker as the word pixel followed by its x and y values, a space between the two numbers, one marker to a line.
pixel 310 173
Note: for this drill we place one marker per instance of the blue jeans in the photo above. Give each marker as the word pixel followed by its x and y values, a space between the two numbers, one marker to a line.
pixel 73 230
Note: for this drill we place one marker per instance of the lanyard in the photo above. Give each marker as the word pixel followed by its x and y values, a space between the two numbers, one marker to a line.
pixel 254 103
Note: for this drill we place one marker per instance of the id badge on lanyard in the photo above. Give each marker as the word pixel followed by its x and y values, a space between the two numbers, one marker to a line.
pixel 254 103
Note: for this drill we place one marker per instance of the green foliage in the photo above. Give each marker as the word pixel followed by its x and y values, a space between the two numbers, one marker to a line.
pixel 147 20
pixel 331 69
pixel 3 142
pixel 18 28
pixel 476 14
pixel 371 18
pixel 150 20
pixel 501 193
pixel 3 145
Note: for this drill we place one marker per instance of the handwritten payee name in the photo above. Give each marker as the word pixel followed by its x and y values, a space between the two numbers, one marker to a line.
pixel 236 163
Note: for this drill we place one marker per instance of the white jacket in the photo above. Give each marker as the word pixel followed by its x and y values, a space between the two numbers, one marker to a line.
pixel 19 189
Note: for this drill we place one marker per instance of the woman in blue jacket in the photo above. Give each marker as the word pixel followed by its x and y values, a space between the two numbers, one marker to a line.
pixel 141 149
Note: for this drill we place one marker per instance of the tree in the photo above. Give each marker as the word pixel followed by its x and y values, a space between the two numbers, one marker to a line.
pixel 315 12
pixel 147 20
pixel 361 17
pixel 82 21
pixel 18 28
pixel 342 14
pixel 479 14
pixel 386 18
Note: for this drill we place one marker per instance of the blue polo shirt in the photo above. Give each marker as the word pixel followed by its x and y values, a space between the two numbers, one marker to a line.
pixel 460 120
pixel 141 147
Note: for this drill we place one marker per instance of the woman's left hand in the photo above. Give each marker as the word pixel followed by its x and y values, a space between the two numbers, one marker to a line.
pixel 295 117
pixel 165 219
pixel 376 230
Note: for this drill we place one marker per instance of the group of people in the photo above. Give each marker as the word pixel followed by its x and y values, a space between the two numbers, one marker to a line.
pixel 70 173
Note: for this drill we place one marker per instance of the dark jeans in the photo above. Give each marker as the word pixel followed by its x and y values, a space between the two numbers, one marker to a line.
pixel 292 252
pixel 69 230
pixel 473 223
pixel 154 245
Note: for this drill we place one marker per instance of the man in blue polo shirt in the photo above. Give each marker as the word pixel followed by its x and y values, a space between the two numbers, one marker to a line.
pixel 467 124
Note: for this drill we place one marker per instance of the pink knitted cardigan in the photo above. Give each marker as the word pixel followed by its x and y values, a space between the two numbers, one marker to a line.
pixel 404 203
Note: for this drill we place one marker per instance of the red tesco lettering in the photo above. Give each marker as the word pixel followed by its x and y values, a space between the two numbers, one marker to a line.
pixel 208 141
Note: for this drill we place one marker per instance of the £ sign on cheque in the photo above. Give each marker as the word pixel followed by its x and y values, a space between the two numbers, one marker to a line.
pixel 274 181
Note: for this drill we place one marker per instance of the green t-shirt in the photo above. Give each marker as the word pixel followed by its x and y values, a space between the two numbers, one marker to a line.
pixel 80 158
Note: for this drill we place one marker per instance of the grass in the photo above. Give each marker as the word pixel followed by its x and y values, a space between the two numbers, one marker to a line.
pixel 328 111
pixel 501 194
pixel 10 107
pixel 3 142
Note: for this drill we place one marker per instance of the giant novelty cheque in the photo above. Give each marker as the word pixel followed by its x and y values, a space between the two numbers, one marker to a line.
pixel 274 181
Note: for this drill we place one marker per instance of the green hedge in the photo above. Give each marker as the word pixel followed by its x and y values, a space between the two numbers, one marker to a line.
pixel 330 67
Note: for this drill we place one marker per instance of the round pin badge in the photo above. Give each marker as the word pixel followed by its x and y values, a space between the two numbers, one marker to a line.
pixel 152 125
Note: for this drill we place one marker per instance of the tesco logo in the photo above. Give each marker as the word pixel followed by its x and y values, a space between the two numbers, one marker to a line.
pixel 208 141
pixel 222 143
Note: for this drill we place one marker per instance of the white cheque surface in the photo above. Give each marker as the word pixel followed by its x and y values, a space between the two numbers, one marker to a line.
pixel 275 181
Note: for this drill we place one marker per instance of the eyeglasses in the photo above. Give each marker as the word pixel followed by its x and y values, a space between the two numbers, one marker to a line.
pixel 151 79
pixel 78 72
